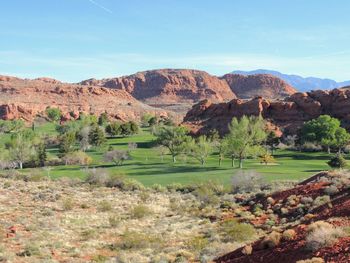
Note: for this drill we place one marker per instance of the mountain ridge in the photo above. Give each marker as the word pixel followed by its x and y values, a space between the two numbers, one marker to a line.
pixel 302 84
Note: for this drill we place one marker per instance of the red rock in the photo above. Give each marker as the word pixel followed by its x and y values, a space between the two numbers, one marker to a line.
pixel 25 99
pixel 263 85
pixel 287 115
pixel 169 86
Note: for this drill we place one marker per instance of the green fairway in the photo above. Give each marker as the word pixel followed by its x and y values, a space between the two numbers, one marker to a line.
pixel 147 167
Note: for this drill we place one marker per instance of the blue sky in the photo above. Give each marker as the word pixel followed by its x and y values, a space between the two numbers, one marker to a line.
pixel 72 40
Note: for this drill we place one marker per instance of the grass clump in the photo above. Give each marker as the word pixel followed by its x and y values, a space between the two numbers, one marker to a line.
pixel 272 240
pixel 137 240
pixel 140 211
pixel 104 206
pixel 68 204
pixel 322 234
pixel 232 230
pixel 197 243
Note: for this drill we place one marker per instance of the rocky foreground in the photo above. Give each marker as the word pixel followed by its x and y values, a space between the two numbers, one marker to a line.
pixel 71 221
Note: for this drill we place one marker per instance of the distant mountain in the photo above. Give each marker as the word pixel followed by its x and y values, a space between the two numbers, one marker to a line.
pixel 298 82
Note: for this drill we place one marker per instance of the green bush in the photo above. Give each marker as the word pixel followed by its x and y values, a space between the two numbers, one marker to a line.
pixel 54 114
pixel 138 240
pixel 140 211
pixel 337 161
pixel 233 231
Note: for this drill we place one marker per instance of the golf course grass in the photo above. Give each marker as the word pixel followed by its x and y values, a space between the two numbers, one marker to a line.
pixel 147 166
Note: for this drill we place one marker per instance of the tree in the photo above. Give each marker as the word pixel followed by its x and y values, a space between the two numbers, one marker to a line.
pixel 153 121
pixel 96 136
pixel 272 141
pixel 116 156
pixel 41 154
pixel 201 148
pixel 323 131
pixel 67 143
pixel 145 119
pixel 267 158
pixel 20 148
pixel 342 138
pixel 244 138
pixel 173 138
pixel 113 128
pixel 83 137
pixel 77 158
pixel 337 161
pixel 103 119
pixel 54 114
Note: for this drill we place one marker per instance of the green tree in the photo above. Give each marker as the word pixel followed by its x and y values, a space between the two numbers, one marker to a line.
pixel 67 143
pixel 113 128
pixel 20 148
pixel 323 131
pixel 201 148
pixel 175 139
pixel 96 136
pixel 54 114
pixel 103 119
pixel 41 154
pixel 342 138
pixel 145 119
pixel 272 141
pixel 244 138
pixel 8 126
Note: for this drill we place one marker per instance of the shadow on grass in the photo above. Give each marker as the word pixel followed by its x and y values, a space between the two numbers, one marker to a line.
pixel 140 171
pixel 303 156
pixel 142 145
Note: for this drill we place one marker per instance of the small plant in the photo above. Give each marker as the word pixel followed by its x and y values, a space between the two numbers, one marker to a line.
pixel 88 234
pixel 197 243
pixel 267 158
pixel 30 250
pixel 337 161
pixel 233 231
pixel 140 211
pixel 104 206
pixel 322 235
pixel 137 240
pixel 68 204
pixel 272 240
pixel 289 234
pixel 114 221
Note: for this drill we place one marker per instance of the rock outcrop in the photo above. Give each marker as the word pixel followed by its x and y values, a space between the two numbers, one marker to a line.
pixel 288 114
pixel 166 87
pixel 264 85
pixel 24 99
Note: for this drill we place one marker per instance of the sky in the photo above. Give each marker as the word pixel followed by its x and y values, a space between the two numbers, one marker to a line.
pixel 72 40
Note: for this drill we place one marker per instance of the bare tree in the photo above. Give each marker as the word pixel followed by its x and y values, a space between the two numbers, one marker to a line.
pixel 116 156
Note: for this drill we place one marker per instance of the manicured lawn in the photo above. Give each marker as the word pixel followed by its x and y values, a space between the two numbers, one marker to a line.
pixel 147 167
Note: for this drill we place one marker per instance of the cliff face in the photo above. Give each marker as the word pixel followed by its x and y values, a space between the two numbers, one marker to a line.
pixel 287 115
pixel 262 85
pixel 24 99
pixel 170 86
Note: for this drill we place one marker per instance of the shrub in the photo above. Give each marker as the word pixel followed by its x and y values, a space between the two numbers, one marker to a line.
pixel 114 221
pixel 331 190
pixel 272 240
pixel 140 211
pixel 137 240
pixel 113 129
pixel 288 234
pixel 77 158
pixel 98 177
pixel 197 243
pixel 337 161
pixel 123 183
pixel 54 114
pixel 246 182
pixel 116 156
pixel 233 231
pixel 67 204
pixel 321 236
pixel 321 200
pixel 104 206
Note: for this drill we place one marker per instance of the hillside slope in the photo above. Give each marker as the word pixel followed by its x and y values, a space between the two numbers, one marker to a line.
pixel 262 85
pixel 24 98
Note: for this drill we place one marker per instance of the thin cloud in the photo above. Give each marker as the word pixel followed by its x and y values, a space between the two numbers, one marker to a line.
pixel 101 6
